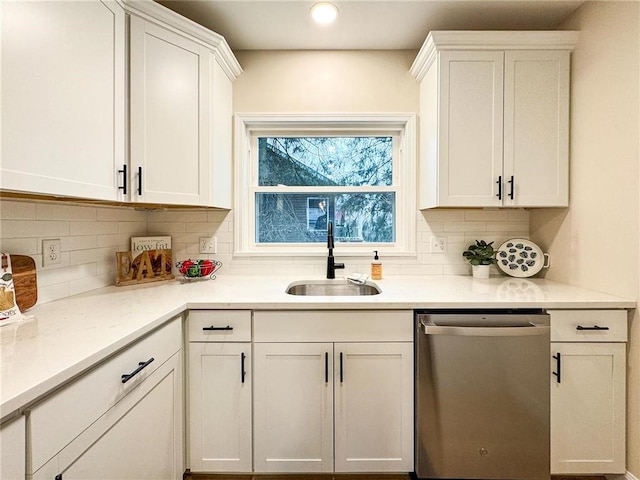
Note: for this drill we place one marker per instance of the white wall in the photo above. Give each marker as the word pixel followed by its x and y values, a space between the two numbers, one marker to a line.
pixel 325 81
pixel 595 243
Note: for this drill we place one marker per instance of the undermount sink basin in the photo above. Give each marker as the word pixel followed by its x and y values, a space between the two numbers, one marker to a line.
pixel 332 288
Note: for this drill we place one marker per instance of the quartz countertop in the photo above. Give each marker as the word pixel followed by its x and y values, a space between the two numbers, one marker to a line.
pixel 66 337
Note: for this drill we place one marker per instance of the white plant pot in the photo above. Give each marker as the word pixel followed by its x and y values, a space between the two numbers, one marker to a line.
pixel 480 271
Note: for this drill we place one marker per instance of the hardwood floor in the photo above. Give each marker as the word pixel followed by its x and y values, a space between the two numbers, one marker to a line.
pixel 328 476
pixel 298 476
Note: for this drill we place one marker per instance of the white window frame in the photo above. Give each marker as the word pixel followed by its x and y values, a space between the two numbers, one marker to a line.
pixel 249 126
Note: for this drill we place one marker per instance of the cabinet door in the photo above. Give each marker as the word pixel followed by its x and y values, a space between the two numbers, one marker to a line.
pixel 169 78
pixel 139 438
pixel 536 128
pixel 293 407
pixel 220 407
pixel 13 450
pixel 63 98
pixel 374 407
pixel 588 409
pixel 470 128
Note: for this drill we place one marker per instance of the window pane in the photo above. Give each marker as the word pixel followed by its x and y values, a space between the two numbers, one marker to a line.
pixel 325 161
pixel 302 217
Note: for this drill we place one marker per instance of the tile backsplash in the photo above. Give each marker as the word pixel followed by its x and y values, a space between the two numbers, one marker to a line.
pixel 90 235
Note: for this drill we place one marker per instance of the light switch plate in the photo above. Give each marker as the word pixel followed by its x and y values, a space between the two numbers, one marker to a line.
pixel 208 245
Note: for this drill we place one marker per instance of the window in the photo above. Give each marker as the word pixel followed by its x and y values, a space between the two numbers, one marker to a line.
pixel 295 174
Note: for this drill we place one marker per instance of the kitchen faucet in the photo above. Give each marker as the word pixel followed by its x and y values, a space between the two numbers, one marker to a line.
pixel 331 264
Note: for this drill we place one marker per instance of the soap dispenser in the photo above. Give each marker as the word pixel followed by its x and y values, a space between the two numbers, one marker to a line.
pixel 376 267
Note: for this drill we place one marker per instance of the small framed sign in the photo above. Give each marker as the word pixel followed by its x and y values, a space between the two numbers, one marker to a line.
pixel 141 244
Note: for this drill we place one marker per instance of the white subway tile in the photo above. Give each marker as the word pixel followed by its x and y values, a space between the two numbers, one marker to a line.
pixel 121 214
pixel 19 246
pixel 90 283
pixel 31 228
pixel 187 216
pixel 82 242
pixel 106 268
pixel 135 229
pixel 52 292
pixel 121 241
pixel 463 269
pixel 486 216
pixel 156 215
pixel 165 228
pixel 452 215
pixel 92 255
pixel 505 227
pixel 62 211
pixel 93 228
pixel 227 237
pixel 219 216
pixel 17 210
pixel 203 227
pixel 421 269
pixel 465 227
pixel 66 274
pixel 519 215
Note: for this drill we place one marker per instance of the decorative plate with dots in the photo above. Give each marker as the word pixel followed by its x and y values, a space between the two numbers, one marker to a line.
pixel 520 257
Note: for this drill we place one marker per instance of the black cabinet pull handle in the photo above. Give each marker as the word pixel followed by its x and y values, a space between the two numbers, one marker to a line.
pixel 499 182
pixel 557 373
pixel 341 369
pixel 242 372
pixel 205 329
pixel 124 179
pixel 511 183
pixel 595 327
pixel 326 367
pixel 139 180
pixel 58 477
pixel 141 366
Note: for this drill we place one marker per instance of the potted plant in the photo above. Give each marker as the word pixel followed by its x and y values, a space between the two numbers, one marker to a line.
pixel 481 256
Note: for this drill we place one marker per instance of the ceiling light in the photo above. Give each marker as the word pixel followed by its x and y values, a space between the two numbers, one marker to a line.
pixel 324 12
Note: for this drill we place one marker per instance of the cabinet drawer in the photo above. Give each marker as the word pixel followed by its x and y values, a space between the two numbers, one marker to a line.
pixel 588 325
pixel 219 325
pixel 57 420
pixel 333 326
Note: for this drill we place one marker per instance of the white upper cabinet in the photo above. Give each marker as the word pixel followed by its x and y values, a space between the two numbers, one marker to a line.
pixel 74 127
pixel 63 98
pixel 536 128
pixel 169 87
pixel 494 119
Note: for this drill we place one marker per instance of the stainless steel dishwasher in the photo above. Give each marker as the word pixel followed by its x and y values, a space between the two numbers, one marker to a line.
pixel 482 394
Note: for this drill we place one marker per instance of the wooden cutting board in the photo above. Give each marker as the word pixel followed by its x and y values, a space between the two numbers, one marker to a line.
pixel 24 281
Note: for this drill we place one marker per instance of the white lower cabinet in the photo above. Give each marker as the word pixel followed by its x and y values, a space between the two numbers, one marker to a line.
pixel 293 417
pixel 13 449
pixel 343 403
pixel 220 379
pixel 588 392
pixel 138 437
pixel 373 407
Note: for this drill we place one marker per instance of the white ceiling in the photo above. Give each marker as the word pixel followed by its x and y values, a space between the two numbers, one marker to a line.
pixel 364 24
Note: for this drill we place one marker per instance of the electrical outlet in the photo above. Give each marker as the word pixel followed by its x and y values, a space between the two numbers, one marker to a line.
pixel 51 252
pixel 438 244
pixel 208 245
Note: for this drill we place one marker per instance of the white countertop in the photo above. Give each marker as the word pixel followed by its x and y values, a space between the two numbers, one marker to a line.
pixel 69 336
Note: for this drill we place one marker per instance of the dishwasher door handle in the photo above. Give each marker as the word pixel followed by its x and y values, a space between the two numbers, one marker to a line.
pixel 487 331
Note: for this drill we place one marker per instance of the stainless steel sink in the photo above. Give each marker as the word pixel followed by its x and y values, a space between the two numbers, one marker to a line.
pixel 332 288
